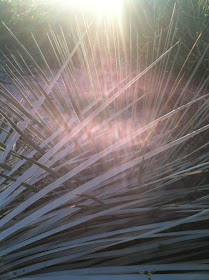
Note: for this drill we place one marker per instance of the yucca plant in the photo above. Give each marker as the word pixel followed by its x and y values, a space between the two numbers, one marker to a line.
pixel 104 159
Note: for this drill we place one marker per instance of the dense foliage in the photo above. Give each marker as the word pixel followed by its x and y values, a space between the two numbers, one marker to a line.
pixel 104 134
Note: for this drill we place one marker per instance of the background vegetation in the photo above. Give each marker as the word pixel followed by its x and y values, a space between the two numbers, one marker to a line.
pixel 144 19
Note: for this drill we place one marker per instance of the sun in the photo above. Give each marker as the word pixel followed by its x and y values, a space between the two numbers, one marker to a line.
pixel 100 8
